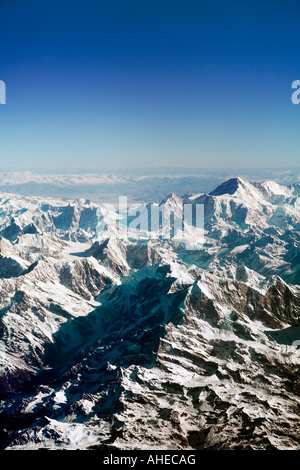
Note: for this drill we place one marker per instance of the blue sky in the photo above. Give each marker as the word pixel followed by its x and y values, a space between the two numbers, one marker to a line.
pixel 114 83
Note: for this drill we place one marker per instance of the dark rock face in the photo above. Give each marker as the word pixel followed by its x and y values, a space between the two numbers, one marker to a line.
pixel 88 219
pixel 31 229
pixel 65 220
pixel 83 279
pixel 229 187
pixel 139 256
pixel 10 267
pixel 11 232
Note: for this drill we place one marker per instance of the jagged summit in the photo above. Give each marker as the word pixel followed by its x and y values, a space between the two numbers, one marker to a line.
pixel 268 190
pixel 172 198
pixel 230 186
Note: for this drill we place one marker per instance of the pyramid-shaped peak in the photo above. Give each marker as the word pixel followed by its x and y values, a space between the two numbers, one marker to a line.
pixel 230 186
pixel 172 198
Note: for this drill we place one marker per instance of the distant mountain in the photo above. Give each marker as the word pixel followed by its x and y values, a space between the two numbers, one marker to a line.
pixel 140 185
pixel 137 342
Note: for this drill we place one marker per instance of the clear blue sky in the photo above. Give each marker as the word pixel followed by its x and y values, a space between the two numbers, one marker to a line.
pixel 110 83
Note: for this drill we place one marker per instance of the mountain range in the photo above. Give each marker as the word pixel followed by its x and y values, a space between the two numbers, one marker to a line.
pixel 140 343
